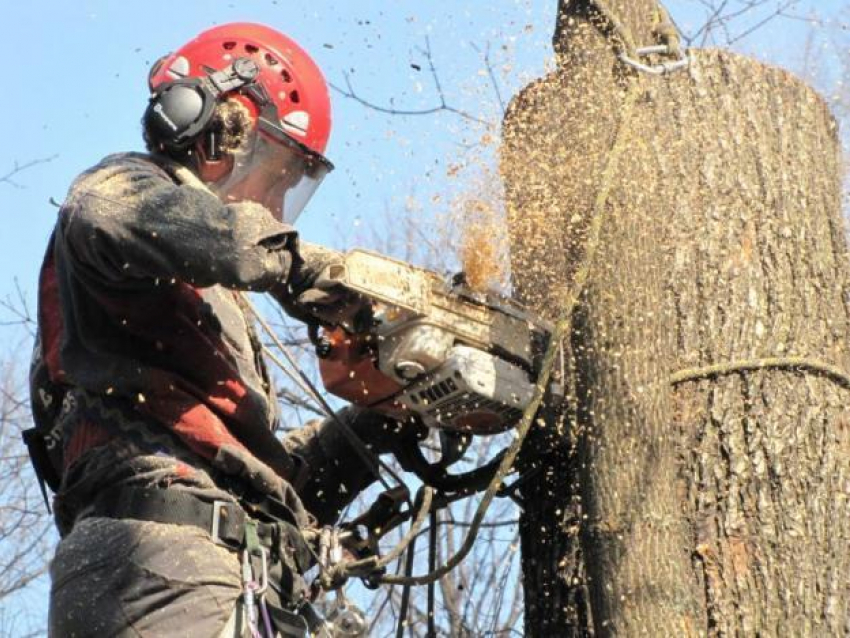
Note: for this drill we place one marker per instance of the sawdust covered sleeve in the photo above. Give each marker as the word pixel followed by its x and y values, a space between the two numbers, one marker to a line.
pixel 129 219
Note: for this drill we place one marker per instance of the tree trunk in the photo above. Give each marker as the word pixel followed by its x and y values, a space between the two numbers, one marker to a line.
pixel 713 506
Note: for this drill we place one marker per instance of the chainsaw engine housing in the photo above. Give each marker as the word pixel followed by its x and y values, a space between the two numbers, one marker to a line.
pixel 459 360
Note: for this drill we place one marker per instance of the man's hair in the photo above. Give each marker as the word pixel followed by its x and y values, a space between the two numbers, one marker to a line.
pixel 231 122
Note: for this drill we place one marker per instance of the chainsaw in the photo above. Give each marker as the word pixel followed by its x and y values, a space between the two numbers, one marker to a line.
pixel 460 360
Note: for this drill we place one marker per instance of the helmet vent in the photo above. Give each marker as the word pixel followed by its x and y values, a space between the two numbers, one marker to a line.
pixel 270 59
pixel 251 48
pixel 229 46
pixel 295 97
pixel 286 75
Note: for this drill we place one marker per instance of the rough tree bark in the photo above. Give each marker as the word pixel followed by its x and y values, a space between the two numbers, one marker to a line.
pixel 715 506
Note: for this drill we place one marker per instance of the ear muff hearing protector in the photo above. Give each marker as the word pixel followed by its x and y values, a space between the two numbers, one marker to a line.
pixel 179 111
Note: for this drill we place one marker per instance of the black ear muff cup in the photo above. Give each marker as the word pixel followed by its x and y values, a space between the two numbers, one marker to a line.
pixel 179 112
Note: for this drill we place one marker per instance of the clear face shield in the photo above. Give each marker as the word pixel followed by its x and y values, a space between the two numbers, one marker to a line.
pixel 276 171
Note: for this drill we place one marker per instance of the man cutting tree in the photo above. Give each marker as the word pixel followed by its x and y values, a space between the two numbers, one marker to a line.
pixel 155 415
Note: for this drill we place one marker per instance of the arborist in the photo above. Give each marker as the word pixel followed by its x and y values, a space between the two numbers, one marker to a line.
pixel 156 417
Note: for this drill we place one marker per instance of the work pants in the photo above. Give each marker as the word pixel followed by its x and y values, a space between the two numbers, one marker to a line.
pixel 136 578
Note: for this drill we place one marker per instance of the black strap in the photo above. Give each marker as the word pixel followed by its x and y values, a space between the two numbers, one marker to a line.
pixel 223 520
pixel 42 464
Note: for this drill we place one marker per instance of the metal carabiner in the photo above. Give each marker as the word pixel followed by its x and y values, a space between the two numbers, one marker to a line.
pixel 664 68
pixel 264 571
pixel 252 590
pixel 248 587
pixel 325 541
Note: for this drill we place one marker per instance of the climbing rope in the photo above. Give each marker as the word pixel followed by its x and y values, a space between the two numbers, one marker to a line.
pixel 621 37
pixel 627 53
pixel 670 44
pixel 368 566
pixel 793 364
pixel 631 55
pixel 562 328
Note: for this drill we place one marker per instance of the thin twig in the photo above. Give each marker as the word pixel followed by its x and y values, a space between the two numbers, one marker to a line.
pixel 443 105
pixel 723 14
pixel 19 168
pixel 19 308
pixel 776 14
pixel 491 73
pixel 707 28
pixel 294 400
pixel 816 21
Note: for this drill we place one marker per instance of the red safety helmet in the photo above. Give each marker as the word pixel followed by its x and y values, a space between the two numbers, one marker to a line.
pixel 287 99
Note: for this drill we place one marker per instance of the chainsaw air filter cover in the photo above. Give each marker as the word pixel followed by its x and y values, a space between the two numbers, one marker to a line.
pixel 472 391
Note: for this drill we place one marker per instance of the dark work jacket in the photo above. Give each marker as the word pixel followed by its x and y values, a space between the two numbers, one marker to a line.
pixel 146 368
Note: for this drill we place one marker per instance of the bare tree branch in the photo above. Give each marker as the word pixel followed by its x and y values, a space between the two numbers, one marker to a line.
pixel 24 523
pixel 18 307
pixel 17 168
pixel 769 18
pixel 288 396
pixel 492 75
pixel 443 105
pixel 726 16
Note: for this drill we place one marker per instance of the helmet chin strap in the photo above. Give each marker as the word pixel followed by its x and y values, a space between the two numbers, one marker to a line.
pixel 213 165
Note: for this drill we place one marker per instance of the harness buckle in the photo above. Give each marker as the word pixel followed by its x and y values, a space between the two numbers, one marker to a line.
pixel 215 529
pixel 263 584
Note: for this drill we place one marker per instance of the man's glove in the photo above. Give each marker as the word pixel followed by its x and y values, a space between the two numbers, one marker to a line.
pixel 311 294
pixel 383 434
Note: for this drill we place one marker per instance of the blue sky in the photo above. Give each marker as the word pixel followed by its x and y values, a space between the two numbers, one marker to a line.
pixel 82 73
pixel 77 90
